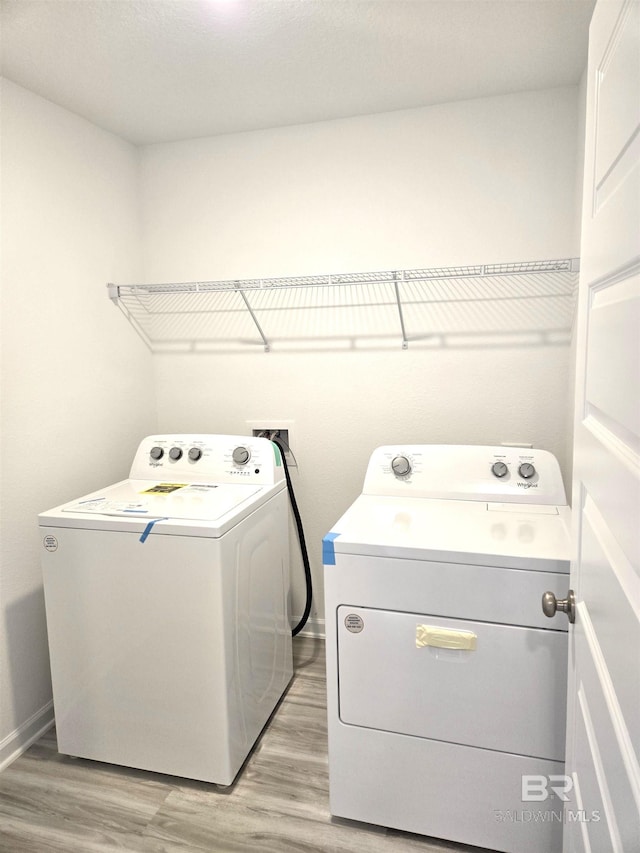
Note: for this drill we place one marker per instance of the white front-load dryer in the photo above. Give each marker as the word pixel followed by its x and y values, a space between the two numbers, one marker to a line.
pixel 446 683
pixel 166 602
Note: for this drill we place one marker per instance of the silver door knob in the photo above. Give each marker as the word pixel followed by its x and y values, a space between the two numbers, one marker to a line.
pixel 551 605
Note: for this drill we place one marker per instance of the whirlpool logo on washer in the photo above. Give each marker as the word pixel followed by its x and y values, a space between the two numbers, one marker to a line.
pixel 523 485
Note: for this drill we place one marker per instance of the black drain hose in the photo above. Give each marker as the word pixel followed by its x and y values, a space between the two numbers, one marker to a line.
pixel 303 546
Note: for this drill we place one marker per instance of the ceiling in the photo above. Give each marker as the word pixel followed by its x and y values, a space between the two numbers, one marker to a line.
pixel 163 70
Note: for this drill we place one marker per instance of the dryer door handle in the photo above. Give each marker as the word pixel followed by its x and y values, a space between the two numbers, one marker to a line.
pixel 551 605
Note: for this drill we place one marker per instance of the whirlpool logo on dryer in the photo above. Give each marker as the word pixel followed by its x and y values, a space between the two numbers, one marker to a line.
pixel 524 485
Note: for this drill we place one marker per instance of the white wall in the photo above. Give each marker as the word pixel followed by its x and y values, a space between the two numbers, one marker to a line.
pixel 476 182
pixel 77 385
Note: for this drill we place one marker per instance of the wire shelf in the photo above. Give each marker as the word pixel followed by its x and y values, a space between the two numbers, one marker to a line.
pixel 403 305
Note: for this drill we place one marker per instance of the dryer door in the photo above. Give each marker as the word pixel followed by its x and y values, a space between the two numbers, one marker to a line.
pixel 498 687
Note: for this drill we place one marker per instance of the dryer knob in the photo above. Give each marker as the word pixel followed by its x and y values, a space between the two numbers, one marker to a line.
pixel 499 469
pixel 194 454
pixel 400 466
pixel 175 453
pixel 526 470
pixel 156 453
pixel 241 455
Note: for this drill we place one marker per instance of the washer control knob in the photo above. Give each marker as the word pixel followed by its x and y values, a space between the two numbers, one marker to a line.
pixel 526 470
pixel 400 466
pixel 175 453
pixel 156 453
pixel 194 454
pixel 241 455
pixel 499 469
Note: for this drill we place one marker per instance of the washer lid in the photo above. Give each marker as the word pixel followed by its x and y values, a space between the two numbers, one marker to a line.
pixel 187 509
pixel 470 532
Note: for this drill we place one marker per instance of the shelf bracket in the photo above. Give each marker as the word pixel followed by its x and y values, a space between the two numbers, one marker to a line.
pixel 254 318
pixel 114 292
pixel 405 342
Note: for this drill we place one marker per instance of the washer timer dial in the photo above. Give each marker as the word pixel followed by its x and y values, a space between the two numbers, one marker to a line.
pixel 241 455
pixel 400 466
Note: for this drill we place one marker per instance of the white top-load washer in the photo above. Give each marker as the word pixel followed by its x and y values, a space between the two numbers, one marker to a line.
pixel 167 607
pixel 446 683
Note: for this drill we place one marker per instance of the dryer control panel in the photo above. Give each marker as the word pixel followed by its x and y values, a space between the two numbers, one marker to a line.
pixel 196 458
pixel 466 472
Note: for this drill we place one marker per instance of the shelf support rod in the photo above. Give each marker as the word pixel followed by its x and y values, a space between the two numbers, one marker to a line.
pixel 405 342
pixel 254 318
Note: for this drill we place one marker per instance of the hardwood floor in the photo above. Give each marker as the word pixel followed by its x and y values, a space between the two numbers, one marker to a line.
pixel 50 803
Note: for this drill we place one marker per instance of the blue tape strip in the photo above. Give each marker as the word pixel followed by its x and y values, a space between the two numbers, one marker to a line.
pixel 147 529
pixel 328 549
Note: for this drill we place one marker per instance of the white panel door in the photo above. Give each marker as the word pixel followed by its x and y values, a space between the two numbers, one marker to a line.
pixel 603 729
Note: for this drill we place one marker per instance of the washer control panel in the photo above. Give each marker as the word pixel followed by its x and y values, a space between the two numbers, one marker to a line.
pixel 203 459
pixel 466 472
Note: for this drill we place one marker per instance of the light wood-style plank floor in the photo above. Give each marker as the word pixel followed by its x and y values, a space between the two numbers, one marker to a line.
pixel 50 803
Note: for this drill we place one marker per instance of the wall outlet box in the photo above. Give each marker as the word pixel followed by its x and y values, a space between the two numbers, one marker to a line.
pixel 271 425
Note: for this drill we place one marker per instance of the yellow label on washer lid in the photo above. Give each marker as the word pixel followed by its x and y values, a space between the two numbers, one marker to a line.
pixel 444 638
pixel 163 488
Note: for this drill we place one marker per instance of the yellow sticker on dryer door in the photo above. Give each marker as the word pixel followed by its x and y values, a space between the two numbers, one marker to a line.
pixel 445 638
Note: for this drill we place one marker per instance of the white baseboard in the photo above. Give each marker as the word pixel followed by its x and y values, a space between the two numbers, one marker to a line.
pixel 313 628
pixel 19 740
